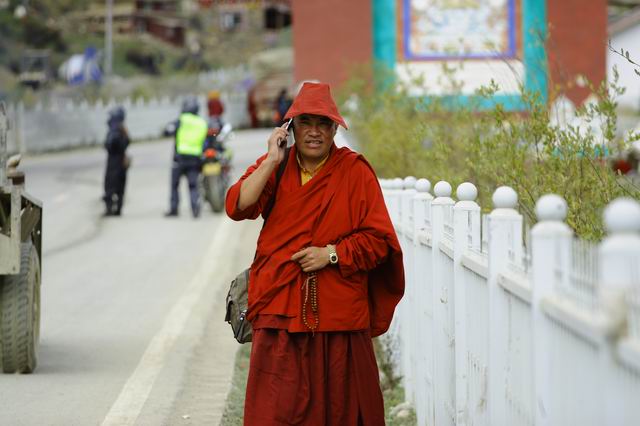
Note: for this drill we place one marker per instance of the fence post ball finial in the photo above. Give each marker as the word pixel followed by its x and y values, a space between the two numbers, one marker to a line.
pixel 409 182
pixel 551 208
pixel 505 198
pixel 397 183
pixel 622 215
pixel 467 192
pixel 442 189
pixel 423 185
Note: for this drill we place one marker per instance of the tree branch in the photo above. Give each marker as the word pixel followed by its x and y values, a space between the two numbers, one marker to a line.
pixel 625 55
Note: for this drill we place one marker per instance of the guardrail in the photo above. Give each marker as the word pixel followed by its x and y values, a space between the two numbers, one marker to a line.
pixel 55 126
pixel 4 127
pixel 502 326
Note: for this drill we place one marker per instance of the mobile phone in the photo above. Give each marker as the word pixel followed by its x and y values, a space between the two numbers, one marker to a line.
pixel 283 142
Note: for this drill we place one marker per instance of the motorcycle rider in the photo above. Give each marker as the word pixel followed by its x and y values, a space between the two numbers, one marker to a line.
pixel 115 177
pixel 215 107
pixel 190 135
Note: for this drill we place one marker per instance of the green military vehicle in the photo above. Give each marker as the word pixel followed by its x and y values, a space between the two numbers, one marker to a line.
pixel 20 254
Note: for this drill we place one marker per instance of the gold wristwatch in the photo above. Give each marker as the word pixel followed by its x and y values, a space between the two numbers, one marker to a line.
pixel 333 256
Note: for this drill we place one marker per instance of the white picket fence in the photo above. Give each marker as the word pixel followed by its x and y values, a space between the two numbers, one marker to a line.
pixel 493 331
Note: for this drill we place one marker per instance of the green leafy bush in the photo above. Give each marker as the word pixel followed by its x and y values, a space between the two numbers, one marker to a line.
pixel 442 139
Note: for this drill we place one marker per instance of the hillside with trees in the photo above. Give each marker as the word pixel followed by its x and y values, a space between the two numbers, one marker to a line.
pixel 205 38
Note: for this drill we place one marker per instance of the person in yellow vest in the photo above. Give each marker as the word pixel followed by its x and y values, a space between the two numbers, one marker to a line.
pixel 190 135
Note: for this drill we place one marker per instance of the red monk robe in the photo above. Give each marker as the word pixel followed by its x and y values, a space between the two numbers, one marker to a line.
pixel 329 378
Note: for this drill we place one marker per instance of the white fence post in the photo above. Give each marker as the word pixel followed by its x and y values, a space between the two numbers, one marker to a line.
pixel 443 300
pixel 619 255
pixel 619 276
pixel 505 232
pixel 551 248
pixel 424 381
pixel 391 340
pixel 409 321
pixel 394 200
pixel 390 190
pixel 466 212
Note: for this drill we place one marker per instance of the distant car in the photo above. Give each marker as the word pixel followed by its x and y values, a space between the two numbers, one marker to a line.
pixel 35 70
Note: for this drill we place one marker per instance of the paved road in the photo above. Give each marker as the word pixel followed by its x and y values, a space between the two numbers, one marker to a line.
pixel 131 306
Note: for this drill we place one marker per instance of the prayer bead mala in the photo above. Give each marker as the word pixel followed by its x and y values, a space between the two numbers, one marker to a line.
pixel 311 297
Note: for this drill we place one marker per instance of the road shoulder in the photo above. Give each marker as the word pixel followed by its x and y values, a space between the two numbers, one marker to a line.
pixel 208 372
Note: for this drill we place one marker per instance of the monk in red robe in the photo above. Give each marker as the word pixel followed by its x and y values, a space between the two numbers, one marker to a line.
pixel 326 278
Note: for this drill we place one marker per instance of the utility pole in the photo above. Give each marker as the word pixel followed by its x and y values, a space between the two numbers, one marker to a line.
pixel 108 42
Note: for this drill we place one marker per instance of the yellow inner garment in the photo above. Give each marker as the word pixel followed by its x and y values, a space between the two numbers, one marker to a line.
pixel 306 175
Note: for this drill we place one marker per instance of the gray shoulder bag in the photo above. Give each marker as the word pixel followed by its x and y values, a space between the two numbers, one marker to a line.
pixel 237 297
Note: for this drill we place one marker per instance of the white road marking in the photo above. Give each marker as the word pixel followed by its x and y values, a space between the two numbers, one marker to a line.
pixel 136 390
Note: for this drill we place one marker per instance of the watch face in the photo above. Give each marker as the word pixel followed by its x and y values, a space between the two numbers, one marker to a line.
pixel 333 258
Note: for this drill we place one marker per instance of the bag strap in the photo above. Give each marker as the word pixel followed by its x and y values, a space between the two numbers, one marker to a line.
pixel 283 164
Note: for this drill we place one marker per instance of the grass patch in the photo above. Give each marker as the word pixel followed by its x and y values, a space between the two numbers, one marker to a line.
pixel 234 407
pixel 392 397
pixel 391 386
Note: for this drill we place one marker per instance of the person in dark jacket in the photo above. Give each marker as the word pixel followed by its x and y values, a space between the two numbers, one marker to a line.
pixel 117 162
pixel 190 135
pixel 282 104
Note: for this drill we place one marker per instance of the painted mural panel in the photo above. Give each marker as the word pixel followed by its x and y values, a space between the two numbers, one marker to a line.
pixel 454 47
pixel 459 29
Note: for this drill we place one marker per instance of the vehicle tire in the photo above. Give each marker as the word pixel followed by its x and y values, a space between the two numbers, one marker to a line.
pixel 216 194
pixel 204 188
pixel 20 314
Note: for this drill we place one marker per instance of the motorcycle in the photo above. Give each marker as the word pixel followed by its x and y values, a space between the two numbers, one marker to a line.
pixel 216 166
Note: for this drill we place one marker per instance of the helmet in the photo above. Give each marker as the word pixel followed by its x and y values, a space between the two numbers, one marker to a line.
pixel 117 114
pixel 190 105
pixel 213 94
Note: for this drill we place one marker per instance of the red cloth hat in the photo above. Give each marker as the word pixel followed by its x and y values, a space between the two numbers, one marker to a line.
pixel 315 98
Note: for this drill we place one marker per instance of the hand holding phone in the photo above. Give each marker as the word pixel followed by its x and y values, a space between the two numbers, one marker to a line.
pixel 283 142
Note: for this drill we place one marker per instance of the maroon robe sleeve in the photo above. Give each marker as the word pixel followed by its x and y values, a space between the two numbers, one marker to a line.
pixel 361 251
pixel 373 246
pixel 366 247
pixel 253 211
